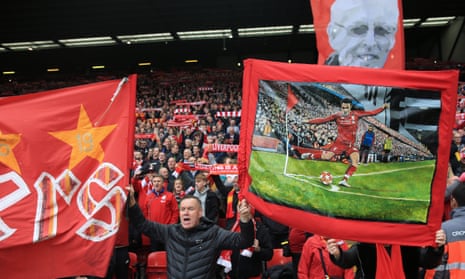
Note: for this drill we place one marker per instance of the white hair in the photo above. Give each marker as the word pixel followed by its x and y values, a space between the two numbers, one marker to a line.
pixel 387 10
pixel 383 12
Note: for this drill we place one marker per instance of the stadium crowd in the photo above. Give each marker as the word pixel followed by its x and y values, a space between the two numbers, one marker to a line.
pixel 180 115
pixel 314 105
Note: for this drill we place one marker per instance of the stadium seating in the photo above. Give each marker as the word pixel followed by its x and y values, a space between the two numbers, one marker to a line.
pixel 156 265
pixel 133 265
pixel 278 258
pixel 142 254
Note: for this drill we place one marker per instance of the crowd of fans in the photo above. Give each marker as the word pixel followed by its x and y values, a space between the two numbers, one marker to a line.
pixel 166 147
pixel 272 118
pixel 457 157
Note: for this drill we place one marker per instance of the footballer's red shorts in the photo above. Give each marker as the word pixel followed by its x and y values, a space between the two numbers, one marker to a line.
pixel 339 148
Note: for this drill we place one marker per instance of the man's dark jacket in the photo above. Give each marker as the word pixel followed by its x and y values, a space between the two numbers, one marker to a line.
pixel 193 253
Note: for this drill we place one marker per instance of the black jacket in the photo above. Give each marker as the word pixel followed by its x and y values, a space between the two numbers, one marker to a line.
pixel 363 256
pixel 193 253
pixel 246 267
pixel 212 206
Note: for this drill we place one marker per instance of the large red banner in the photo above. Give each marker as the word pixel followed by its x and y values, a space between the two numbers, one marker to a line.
pixel 362 33
pixel 396 197
pixel 64 157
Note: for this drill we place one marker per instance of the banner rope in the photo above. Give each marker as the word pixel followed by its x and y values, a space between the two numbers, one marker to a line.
pixel 115 94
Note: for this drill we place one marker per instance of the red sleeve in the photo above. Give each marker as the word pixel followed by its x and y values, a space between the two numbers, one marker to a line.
pixel 305 262
pixel 179 137
pixel 136 184
pixel 174 210
pixel 143 205
pixel 370 112
pixel 322 119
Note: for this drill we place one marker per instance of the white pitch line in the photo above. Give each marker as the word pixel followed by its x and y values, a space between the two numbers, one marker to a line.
pixel 393 170
pixel 334 188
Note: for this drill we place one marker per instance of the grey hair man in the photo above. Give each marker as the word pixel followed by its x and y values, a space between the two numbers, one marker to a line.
pixel 362 32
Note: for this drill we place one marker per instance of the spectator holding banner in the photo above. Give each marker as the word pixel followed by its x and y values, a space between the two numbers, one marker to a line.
pixel 453 259
pixel 315 262
pixel 407 259
pixel 209 199
pixel 194 244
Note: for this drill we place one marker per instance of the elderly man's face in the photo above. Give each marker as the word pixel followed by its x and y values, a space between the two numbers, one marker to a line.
pixel 364 36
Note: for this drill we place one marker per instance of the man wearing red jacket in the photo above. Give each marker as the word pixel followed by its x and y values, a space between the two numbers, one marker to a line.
pixel 160 206
pixel 315 262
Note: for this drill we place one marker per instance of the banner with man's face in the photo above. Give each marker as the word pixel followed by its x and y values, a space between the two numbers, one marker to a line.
pixel 301 139
pixel 361 33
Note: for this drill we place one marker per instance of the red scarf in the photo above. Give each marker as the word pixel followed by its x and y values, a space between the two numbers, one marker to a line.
pixel 230 212
pixel 389 267
pixel 225 256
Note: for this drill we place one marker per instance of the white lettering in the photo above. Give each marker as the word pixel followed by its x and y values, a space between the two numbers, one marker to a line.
pixel 95 229
pixel 458 233
pixel 45 223
pixel 105 178
pixel 11 199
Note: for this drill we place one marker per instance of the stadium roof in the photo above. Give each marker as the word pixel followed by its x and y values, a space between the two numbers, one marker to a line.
pixel 47 30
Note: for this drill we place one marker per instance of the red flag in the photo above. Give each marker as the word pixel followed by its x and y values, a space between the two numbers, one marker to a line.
pixel 63 168
pixel 291 99
pixel 359 33
pixel 299 199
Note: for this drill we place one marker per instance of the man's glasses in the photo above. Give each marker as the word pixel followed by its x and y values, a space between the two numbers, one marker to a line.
pixel 362 29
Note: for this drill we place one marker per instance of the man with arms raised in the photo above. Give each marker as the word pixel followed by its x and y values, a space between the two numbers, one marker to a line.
pixel 194 245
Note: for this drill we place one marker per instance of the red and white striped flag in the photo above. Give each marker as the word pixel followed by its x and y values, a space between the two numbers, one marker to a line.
pixel 228 114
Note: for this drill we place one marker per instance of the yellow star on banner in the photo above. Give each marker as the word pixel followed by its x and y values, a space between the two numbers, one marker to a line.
pixel 7 157
pixel 85 139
